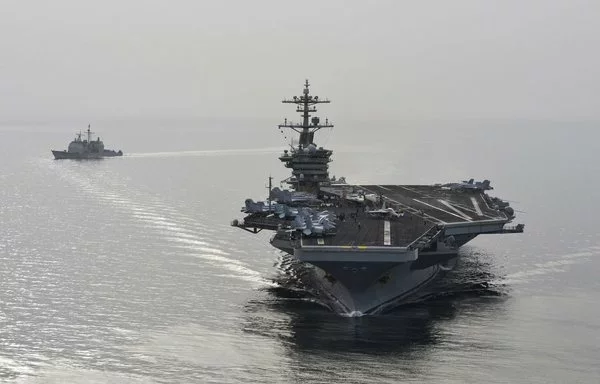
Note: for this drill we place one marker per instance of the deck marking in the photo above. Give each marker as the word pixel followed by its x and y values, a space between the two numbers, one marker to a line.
pixel 409 208
pixel 382 187
pixel 472 210
pixel 484 200
pixel 476 205
pixel 410 189
pixel 447 204
pixel 386 233
pixel 491 209
pixel 415 211
pixel 420 193
pixel 439 209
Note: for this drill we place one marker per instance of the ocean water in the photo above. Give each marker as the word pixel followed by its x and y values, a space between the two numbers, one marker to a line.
pixel 126 270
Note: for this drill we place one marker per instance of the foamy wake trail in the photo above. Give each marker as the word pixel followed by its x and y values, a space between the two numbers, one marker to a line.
pixel 557 265
pixel 13 367
pixel 180 231
pixel 352 314
pixel 215 152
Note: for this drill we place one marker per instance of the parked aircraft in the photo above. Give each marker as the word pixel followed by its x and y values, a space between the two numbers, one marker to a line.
pixel 259 206
pixel 311 223
pixel 287 196
pixel 471 184
pixel 283 211
pixel 385 212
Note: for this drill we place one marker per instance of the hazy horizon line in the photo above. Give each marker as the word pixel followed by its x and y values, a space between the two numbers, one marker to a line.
pixel 275 121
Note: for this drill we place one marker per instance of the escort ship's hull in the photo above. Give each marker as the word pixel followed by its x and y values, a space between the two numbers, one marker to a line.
pixel 61 155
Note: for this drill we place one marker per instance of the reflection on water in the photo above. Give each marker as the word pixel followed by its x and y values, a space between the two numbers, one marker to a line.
pixel 294 316
pixel 126 270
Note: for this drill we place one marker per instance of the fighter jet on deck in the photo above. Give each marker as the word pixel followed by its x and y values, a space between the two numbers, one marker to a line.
pixel 385 212
pixel 470 185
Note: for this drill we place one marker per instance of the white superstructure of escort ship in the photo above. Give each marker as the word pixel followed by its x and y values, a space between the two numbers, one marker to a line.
pixel 369 247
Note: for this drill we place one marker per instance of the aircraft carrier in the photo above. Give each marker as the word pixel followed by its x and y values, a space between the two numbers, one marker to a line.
pixel 368 247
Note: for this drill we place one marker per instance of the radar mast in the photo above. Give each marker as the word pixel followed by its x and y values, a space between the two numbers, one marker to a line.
pixel 89 133
pixel 305 105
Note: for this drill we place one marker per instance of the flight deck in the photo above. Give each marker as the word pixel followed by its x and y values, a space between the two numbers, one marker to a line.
pixel 413 212
pixel 439 203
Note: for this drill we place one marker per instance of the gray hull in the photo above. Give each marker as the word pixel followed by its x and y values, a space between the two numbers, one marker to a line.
pixel 360 280
pixel 368 283
pixel 62 155
pixel 401 283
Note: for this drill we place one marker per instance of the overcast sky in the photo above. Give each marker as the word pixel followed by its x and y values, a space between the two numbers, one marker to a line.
pixel 384 59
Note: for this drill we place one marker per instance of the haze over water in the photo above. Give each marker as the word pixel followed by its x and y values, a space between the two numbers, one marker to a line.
pixel 126 270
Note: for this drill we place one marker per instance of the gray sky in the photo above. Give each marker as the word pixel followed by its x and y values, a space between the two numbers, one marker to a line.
pixel 385 59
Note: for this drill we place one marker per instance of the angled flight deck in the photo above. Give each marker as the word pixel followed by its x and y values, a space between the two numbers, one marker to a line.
pixel 438 203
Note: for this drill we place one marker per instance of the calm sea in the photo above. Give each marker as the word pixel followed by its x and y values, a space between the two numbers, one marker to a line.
pixel 126 270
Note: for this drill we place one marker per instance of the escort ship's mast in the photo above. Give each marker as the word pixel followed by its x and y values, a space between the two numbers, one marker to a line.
pixel 309 164
pixel 89 134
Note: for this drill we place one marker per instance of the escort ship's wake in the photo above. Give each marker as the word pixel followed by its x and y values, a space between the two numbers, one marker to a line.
pixel 85 149
pixel 369 247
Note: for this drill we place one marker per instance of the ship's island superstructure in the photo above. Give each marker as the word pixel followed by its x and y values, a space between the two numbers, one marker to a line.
pixel 369 247
pixel 85 148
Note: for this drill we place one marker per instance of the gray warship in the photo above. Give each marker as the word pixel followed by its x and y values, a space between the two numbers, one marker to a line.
pixel 85 149
pixel 368 248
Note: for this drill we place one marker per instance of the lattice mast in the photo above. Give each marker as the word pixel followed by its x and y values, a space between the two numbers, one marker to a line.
pixel 89 133
pixel 306 105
